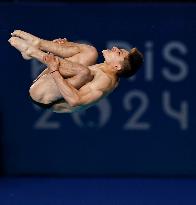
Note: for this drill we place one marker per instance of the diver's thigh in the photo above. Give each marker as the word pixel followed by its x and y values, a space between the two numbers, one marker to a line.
pixel 44 90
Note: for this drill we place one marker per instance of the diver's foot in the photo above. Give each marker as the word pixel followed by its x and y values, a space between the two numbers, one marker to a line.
pixel 22 46
pixel 31 39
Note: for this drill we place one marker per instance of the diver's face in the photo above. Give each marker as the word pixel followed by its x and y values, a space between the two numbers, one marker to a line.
pixel 115 55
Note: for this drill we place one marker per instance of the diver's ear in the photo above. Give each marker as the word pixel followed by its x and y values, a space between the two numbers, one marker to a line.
pixel 118 66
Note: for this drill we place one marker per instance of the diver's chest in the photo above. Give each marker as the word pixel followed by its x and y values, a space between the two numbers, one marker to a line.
pixel 100 77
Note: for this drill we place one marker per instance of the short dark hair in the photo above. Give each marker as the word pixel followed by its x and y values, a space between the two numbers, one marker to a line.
pixel 132 63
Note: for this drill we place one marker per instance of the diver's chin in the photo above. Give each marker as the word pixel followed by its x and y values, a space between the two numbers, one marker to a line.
pixel 104 52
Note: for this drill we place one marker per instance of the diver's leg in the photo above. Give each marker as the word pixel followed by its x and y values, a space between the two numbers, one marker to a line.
pixel 81 53
pixel 78 74
pixel 64 49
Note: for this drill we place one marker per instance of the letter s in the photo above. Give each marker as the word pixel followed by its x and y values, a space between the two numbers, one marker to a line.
pixel 182 65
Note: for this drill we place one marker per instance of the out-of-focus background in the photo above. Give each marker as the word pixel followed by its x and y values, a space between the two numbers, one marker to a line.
pixel 145 128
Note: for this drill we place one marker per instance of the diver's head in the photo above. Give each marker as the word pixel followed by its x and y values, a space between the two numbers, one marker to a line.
pixel 124 62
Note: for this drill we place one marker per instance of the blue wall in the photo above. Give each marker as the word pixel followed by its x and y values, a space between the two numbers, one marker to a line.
pixel 147 126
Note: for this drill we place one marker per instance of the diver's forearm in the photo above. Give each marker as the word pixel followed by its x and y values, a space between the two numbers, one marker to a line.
pixel 64 50
pixel 69 93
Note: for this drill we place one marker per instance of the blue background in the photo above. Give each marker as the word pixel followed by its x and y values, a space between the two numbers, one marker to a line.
pixel 97 141
pixel 47 191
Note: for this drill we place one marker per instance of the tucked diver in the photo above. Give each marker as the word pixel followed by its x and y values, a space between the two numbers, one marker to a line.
pixel 72 80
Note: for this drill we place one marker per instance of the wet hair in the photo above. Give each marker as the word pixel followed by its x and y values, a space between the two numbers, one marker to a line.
pixel 132 63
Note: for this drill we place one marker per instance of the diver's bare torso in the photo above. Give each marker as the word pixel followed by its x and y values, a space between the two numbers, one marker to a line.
pixel 62 106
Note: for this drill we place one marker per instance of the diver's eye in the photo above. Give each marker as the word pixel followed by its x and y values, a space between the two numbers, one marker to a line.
pixel 119 52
